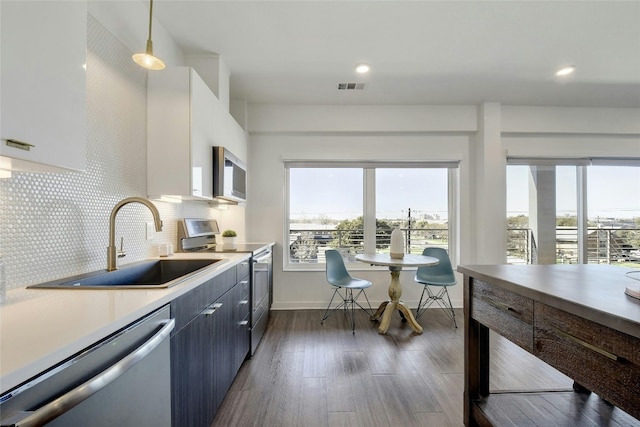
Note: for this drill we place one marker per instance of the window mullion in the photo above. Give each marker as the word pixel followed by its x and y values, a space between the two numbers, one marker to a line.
pixel 452 206
pixel 369 192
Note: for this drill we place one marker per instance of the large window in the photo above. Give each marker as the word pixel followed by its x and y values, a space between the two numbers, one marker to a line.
pixel 416 201
pixel 586 212
pixel 613 195
pixel 354 207
pixel 325 210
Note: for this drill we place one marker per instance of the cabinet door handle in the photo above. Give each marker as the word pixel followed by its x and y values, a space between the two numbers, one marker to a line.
pixel 244 323
pixel 211 309
pixel 244 282
pixel 19 144
pixel 243 302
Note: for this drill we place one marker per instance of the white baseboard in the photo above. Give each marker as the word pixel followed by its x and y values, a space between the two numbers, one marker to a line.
pixel 315 305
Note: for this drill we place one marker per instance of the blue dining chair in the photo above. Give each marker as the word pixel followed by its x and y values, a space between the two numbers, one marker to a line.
pixel 344 285
pixel 440 275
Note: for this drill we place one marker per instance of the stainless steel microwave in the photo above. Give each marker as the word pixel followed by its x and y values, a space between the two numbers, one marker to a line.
pixel 229 176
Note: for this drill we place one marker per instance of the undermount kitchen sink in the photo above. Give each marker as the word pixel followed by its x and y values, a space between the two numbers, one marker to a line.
pixel 155 273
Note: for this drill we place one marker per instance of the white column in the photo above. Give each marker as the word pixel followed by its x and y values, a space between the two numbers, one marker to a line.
pixel 542 212
pixel 583 232
pixel 490 187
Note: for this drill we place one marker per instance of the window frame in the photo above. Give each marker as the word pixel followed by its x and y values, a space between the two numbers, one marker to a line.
pixel 582 165
pixel 369 204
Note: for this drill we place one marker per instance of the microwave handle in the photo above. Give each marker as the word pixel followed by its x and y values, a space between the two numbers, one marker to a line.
pixel 62 404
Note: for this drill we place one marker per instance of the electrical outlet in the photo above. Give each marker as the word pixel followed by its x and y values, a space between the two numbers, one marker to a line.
pixel 149 230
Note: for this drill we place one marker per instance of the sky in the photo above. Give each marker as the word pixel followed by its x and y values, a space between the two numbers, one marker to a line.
pixel 337 193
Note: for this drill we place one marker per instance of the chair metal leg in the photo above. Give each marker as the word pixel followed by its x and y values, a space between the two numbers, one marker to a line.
pixel 453 313
pixel 353 313
pixel 369 310
pixel 348 302
pixel 421 307
pixel 325 316
pixel 438 298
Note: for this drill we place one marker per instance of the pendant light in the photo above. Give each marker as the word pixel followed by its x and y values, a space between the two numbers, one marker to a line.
pixel 147 60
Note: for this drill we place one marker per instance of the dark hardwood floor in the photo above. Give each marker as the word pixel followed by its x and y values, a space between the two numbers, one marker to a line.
pixel 308 374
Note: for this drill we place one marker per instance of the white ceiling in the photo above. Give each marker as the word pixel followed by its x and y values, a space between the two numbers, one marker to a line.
pixel 421 52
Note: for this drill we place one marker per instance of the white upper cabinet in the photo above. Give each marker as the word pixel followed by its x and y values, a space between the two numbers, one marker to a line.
pixel 180 134
pixel 43 107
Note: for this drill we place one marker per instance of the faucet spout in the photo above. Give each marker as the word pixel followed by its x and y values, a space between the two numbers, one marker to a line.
pixel 111 250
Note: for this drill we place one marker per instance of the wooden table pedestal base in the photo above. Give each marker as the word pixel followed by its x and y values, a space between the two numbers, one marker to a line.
pixel 387 308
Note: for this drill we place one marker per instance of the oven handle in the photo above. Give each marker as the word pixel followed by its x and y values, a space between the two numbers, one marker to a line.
pixel 62 404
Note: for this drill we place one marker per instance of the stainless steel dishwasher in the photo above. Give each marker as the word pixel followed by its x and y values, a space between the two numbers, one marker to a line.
pixel 261 294
pixel 123 380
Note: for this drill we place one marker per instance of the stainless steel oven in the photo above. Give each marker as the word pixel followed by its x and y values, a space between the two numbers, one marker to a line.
pixel 261 284
pixel 198 235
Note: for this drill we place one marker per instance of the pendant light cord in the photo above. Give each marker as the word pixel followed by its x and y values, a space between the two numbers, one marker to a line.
pixel 150 16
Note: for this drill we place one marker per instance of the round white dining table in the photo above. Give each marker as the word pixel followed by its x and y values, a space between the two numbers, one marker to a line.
pixel 395 265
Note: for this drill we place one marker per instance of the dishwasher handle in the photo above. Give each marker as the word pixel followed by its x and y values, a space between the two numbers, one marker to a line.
pixel 263 257
pixel 62 404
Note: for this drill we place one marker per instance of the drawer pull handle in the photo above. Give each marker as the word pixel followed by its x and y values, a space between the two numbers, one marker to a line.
pixel 244 282
pixel 19 144
pixel 243 302
pixel 586 344
pixel 244 323
pixel 500 305
pixel 212 309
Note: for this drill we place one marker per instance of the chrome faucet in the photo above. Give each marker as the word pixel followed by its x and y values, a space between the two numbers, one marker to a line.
pixel 111 250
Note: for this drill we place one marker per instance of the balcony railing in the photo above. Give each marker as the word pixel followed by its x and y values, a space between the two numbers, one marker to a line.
pixel 604 245
pixel 308 245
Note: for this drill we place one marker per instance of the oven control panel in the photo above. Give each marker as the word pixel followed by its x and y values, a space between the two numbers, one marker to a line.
pixel 200 227
pixel 196 233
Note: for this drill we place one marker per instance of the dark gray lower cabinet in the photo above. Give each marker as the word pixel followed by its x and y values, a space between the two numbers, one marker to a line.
pixel 190 355
pixel 223 350
pixel 210 346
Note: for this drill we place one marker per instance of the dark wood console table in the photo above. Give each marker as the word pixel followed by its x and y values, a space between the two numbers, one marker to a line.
pixel 575 318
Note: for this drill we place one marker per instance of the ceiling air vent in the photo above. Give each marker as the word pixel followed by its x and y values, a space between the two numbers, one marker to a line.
pixel 350 86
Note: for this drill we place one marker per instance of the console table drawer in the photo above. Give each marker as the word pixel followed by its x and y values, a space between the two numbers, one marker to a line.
pixel 601 359
pixel 507 313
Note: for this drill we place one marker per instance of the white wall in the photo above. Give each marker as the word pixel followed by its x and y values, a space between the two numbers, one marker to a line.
pixel 128 22
pixel 366 133
pixel 479 136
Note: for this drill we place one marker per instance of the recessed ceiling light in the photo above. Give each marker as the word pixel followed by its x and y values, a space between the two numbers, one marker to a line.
pixel 362 68
pixel 565 71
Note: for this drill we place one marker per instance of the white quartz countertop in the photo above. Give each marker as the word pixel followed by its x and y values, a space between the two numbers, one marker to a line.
pixel 42 327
